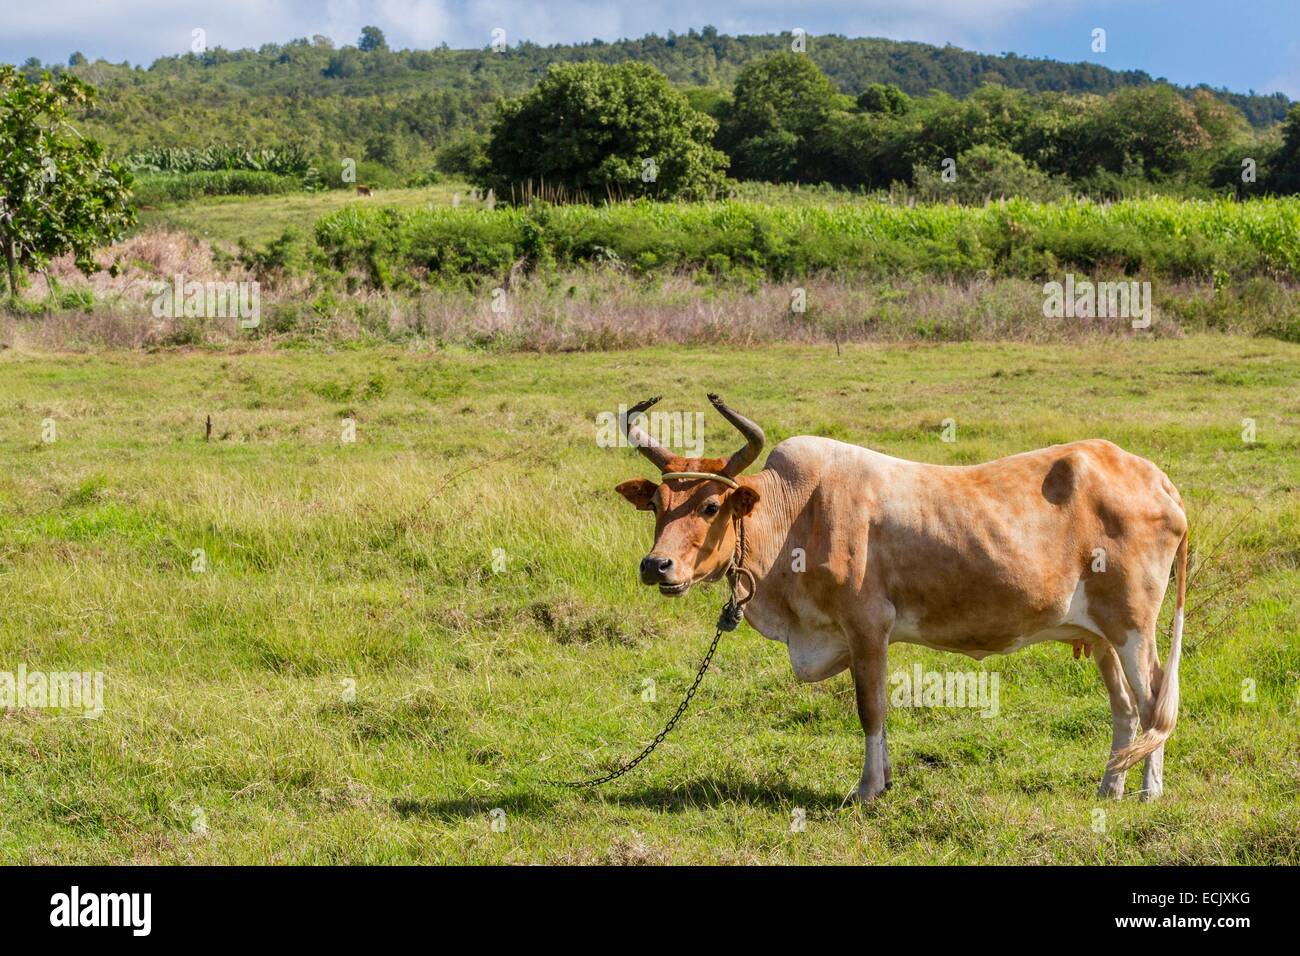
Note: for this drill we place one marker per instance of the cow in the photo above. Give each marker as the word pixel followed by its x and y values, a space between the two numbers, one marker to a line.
pixel 1070 543
pixel 364 190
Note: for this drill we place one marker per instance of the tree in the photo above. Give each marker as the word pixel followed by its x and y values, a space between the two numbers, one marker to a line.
pixel 372 38
pixel 58 191
pixel 1153 127
pixel 383 148
pixel 781 104
pixel 884 98
pixel 598 129
pixel 1224 169
pixel 466 157
pixel 1223 123
pixel 866 149
pixel 77 59
pixel 1286 161
pixel 342 65
pixel 991 116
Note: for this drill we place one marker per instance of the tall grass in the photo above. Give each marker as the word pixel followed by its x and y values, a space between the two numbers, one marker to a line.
pixel 1154 236
pixel 157 188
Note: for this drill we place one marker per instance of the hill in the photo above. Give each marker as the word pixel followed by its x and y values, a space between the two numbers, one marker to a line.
pixel 381 103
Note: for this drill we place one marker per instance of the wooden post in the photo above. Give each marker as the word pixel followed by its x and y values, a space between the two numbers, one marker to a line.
pixel 207 431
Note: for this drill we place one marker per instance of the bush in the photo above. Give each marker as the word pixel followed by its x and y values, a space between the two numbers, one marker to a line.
pixel 884 98
pixel 987 172
pixel 283 160
pixel 1158 237
pixel 151 190
pixel 430 177
pixel 365 172
pixel 466 158
pixel 290 161
pixel 289 255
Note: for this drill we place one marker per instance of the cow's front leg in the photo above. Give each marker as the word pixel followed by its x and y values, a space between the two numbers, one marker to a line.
pixel 867 662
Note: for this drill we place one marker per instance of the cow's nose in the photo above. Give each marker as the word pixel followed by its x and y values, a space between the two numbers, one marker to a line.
pixel 654 568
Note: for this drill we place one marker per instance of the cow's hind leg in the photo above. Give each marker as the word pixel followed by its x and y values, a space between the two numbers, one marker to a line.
pixel 1137 656
pixel 1153 774
pixel 1123 715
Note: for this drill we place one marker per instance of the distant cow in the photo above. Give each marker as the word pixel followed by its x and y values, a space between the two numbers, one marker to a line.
pixel 363 191
pixel 1071 543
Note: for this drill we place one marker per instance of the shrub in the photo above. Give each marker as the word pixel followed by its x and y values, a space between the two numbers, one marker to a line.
pixel 466 158
pixel 288 255
pixel 1017 238
pixel 987 172
pixel 284 160
pixel 154 189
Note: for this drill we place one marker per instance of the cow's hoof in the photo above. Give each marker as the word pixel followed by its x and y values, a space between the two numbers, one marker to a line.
pixel 866 794
pixel 1146 796
pixel 1111 790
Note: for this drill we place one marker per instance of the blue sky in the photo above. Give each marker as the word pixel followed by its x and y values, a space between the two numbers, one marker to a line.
pixel 1248 44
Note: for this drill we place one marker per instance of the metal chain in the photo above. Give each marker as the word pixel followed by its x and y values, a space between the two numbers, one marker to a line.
pixel 728 620
pixel 681 709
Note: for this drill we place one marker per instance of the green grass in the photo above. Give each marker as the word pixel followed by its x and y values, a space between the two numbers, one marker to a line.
pixel 400 234
pixel 1159 236
pixel 259 219
pixel 373 562
pixel 152 189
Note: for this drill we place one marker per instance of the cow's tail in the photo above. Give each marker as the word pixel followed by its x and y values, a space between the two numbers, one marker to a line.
pixel 1166 709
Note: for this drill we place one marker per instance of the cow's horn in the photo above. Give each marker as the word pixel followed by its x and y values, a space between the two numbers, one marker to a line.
pixel 642 442
pixel 753 439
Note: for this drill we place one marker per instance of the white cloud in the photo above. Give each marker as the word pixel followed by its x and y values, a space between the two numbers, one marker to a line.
pixel 143 29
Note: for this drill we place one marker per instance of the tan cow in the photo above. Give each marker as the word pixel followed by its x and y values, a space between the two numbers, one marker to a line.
pixel 981 559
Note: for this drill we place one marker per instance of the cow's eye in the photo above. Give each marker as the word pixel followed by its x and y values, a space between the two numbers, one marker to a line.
pixel 710 509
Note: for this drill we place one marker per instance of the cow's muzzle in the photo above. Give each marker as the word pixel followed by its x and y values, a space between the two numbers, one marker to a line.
pixel 661 571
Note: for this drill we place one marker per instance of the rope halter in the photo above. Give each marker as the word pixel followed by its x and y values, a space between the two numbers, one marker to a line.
pixel 730 483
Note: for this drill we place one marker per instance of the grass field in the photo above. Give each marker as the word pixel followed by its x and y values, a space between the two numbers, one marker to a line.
pixel 259 219
pixel 343 676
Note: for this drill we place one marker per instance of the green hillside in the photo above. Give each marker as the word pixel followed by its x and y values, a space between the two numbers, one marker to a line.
pixel 338 99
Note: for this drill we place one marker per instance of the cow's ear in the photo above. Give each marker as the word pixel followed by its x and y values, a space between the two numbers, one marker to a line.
pixel 639 491
pixel 743 500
